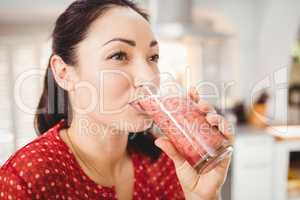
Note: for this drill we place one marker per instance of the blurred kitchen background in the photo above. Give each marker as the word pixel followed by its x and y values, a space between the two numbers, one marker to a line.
pixel 243 56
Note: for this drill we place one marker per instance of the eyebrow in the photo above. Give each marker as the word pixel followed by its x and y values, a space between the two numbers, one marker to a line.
pixel 129 42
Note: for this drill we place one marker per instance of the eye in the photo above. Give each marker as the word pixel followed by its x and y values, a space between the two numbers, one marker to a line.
pixel 119 56
pixel 154 58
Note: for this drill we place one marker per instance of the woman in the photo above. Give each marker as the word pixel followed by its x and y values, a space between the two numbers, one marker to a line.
pixel 87 148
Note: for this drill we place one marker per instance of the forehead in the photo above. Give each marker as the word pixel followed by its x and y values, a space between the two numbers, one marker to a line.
pixel 121 22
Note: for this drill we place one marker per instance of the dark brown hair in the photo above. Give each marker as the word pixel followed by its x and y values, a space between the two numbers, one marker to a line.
pixel 70 29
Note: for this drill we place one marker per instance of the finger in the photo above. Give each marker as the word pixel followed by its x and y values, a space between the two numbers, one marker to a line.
pixel 221 123
pixel 225 163
pixel 215 120
pixel 203 106
pixel 193 93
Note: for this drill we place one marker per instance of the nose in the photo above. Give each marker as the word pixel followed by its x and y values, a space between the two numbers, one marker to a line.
pixel 145 74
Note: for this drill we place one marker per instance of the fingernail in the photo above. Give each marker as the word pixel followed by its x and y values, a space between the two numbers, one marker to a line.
pixel 212 110
pixel 156 143
pixel 210 114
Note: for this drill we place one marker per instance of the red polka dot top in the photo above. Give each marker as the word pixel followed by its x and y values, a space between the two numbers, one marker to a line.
pixel 46 169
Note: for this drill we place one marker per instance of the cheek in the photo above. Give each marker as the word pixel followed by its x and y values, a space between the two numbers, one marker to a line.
pixel 115 84
pixel 116 90
pixel 107 92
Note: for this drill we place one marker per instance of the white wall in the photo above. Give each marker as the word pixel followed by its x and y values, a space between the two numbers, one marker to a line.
pixel 278 33
pixel 266 30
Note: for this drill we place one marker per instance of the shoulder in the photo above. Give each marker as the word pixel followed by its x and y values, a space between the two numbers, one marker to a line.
pixel 39 151
pixel 36 161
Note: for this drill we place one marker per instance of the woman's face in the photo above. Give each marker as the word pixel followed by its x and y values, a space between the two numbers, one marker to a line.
pixel 118 53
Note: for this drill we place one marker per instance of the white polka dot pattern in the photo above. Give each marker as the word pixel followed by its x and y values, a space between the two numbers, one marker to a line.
pixel 46 169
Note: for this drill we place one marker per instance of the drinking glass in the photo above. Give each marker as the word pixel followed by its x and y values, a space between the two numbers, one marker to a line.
pixel 180 119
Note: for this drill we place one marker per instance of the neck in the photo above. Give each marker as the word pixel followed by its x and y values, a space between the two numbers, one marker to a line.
pixel 99 145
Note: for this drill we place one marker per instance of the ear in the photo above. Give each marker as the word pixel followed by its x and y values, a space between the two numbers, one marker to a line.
pixel 63 74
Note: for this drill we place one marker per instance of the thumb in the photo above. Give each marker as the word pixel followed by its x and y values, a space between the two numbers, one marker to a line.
pixel 165 144
pixel 187 175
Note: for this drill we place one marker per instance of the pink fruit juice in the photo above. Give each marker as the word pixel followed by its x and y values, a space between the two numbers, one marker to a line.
pixel 179 118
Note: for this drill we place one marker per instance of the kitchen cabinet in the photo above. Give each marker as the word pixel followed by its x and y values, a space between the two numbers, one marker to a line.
pixel 261 163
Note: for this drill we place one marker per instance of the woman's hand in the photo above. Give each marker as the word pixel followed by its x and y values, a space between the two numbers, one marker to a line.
pixel 199 186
